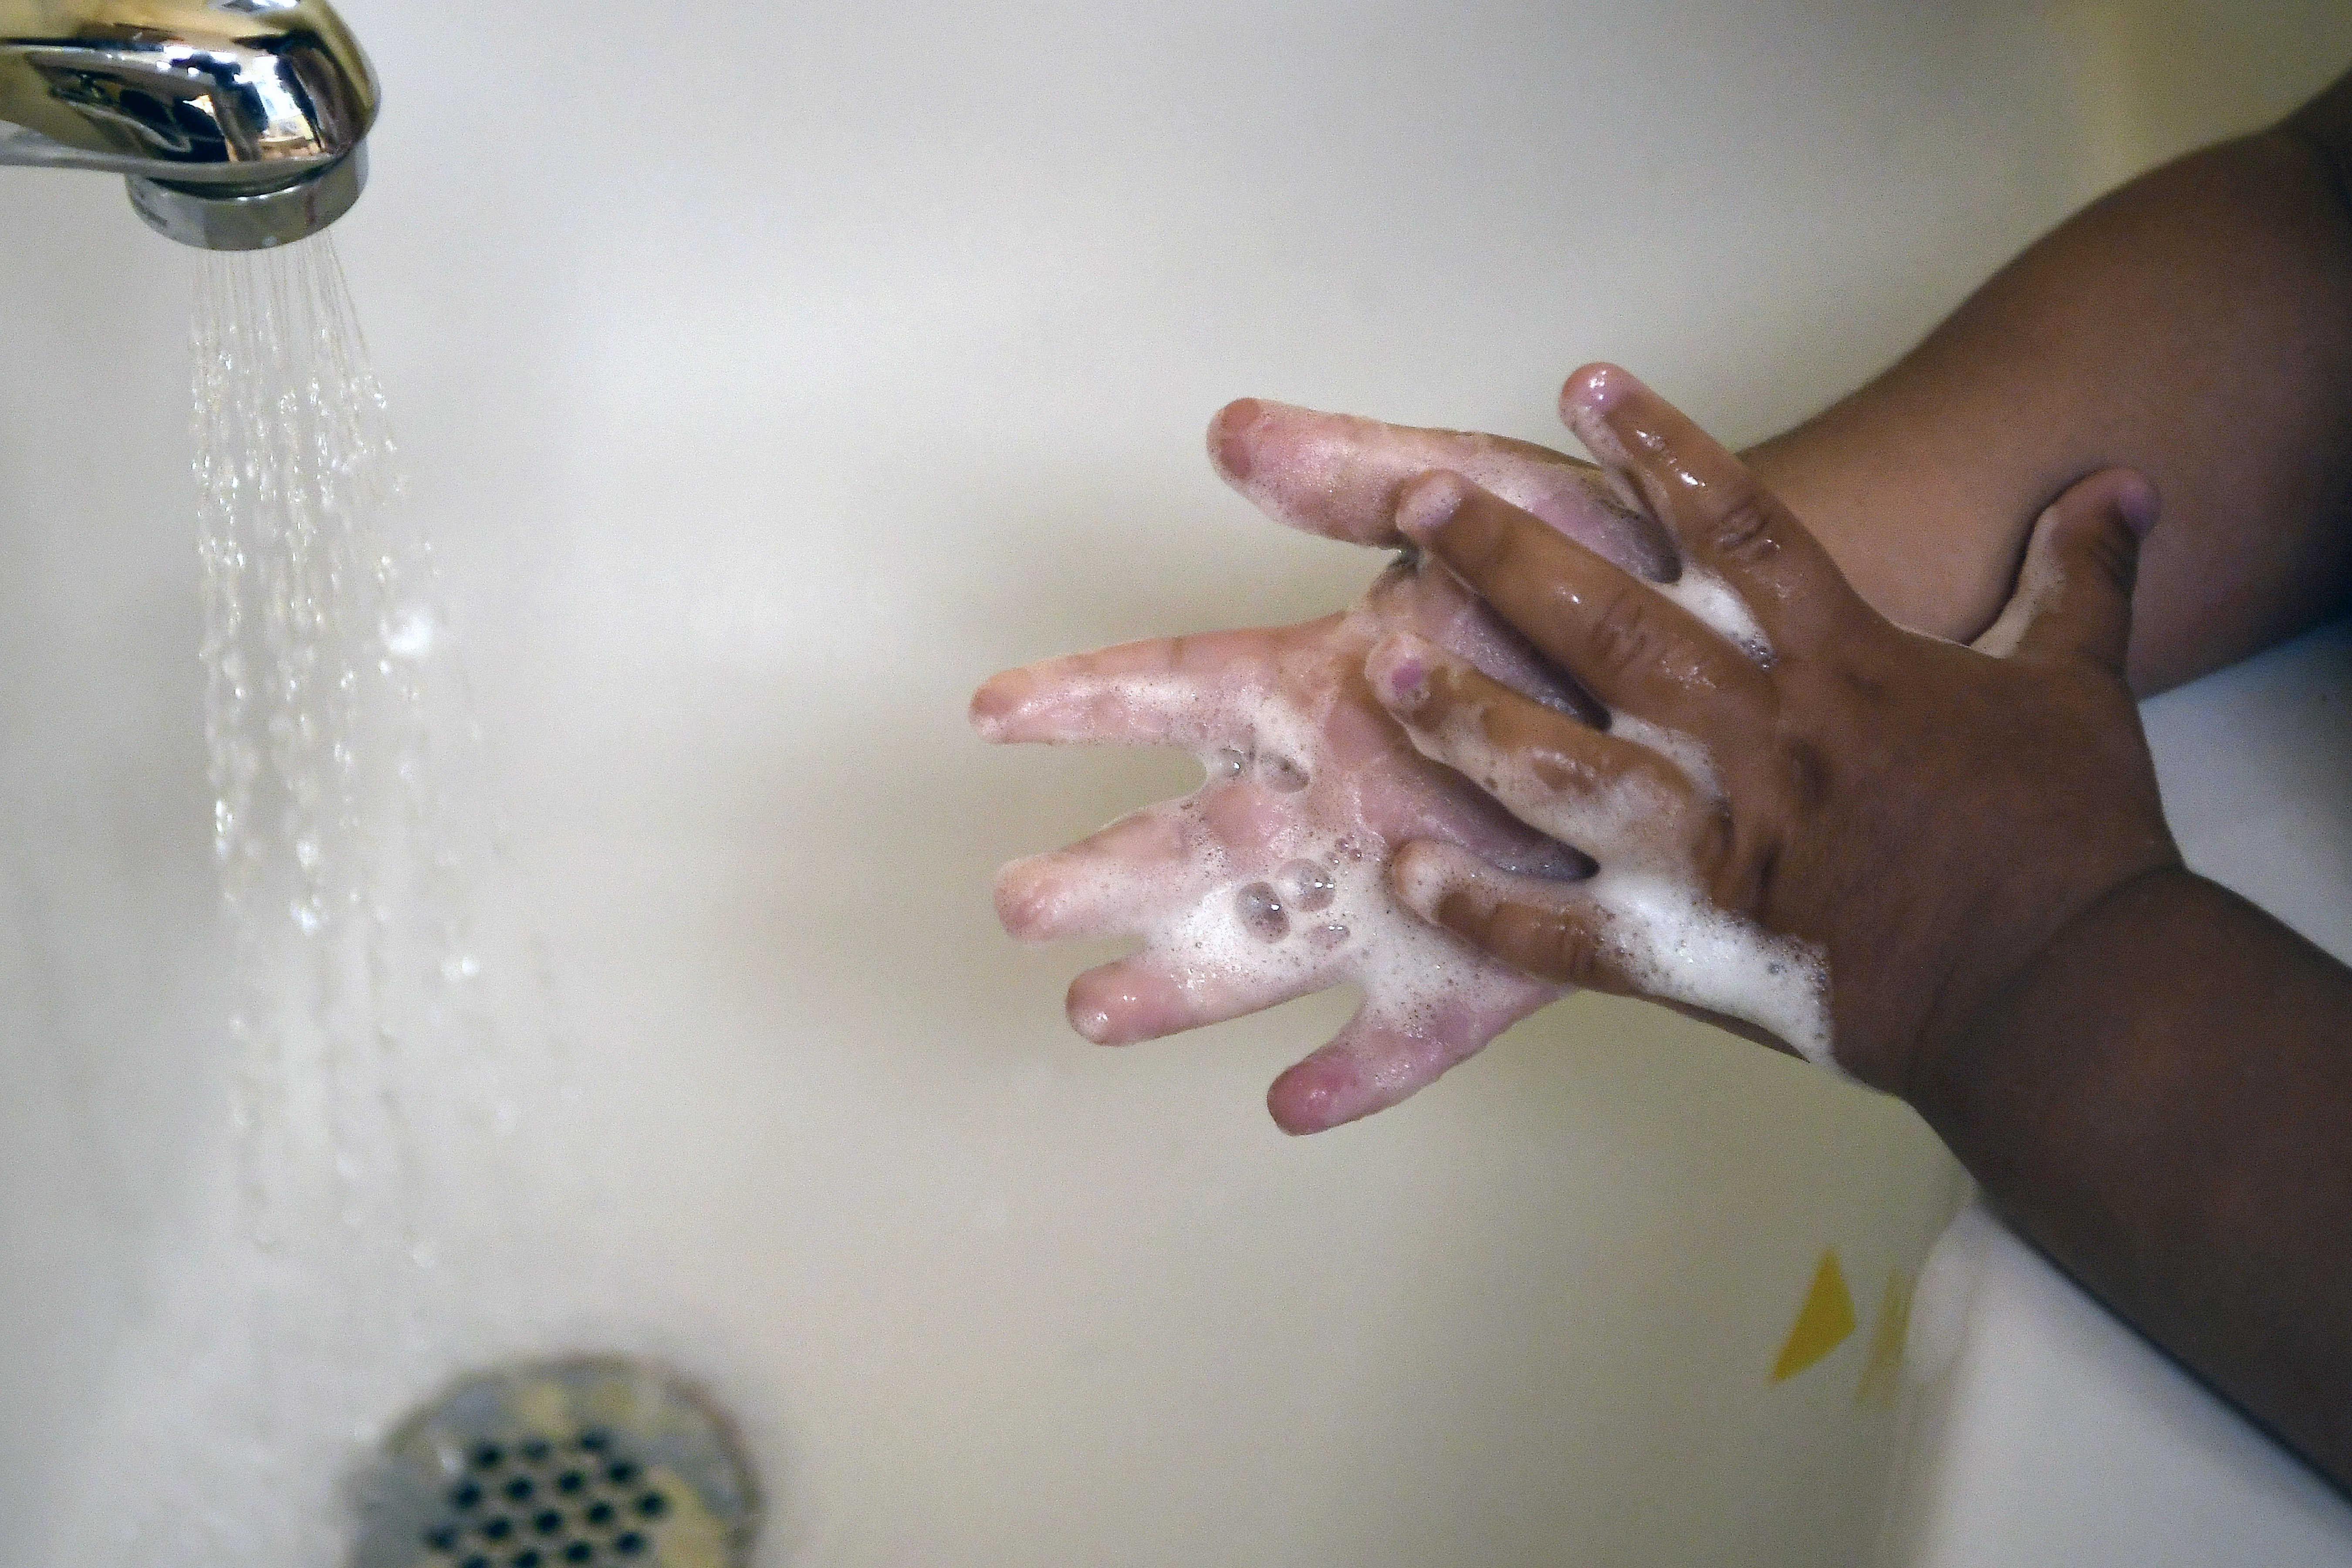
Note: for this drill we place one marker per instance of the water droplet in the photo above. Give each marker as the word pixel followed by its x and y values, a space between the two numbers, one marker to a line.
pixel 1305 885
pixel 413 636
pixel 1260 908
pixel 1228 764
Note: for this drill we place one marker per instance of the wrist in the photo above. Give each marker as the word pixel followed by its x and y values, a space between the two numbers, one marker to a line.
pixel 2099 965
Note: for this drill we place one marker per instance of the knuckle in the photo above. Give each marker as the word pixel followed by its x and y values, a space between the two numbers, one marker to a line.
pixel 1624 633
pixel 1481 546
pixel 1572 954
pixel 1854 685
pixel 1747 532
pixel 1551 943
pixel 1806 776
pixel 2111 552
pixel 1558 774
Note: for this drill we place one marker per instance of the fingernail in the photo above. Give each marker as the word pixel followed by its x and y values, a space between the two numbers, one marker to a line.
pixel 1595 390
pixel 1399 671
pixel 991 708
pixel 1231 452
pixel 1428 503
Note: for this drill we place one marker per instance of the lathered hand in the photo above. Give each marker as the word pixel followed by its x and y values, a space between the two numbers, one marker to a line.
pixel 1271 880
pixel 1851 836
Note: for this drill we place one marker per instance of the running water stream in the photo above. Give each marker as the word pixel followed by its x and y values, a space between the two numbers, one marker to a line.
pixel 396 1088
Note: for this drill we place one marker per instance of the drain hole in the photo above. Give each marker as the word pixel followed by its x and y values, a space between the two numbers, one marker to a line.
pixel 481 1481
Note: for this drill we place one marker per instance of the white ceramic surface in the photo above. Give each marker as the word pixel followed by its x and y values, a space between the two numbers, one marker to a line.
pixel 761 408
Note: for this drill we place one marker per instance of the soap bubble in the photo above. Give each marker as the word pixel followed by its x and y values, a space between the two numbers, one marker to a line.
pixel 1260 908
pixel 1305 885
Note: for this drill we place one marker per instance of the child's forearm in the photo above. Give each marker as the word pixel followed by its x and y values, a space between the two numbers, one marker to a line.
pixel 2164 1102
pixel 2195 325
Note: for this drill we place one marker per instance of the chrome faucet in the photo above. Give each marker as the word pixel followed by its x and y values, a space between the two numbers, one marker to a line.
pixel 240 124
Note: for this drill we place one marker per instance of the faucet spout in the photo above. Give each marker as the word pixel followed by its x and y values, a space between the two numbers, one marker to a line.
pixel 240 124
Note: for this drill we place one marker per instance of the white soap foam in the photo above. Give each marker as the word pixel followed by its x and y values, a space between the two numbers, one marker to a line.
pixel 1309 907
pixel 2039 585
pixel 1676 946
pixel 1287 888
pixel 1713 602
pixel 1696 764
pixel 1645 901
pixel 1271 880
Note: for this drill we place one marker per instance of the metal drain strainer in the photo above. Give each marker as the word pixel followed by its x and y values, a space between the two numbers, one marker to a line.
pixel 596 1461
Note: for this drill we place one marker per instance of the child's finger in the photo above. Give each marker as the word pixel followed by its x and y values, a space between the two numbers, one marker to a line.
pixel 1610 797
pixel 1337 475
pixel 1189 693
pixel 1623 641
pixel 1121 881
pixel 1371 1065
pixel 1144 998
pixel 1552 931
pixel 1725 522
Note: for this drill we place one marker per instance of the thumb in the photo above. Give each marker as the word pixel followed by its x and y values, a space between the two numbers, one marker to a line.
pixel 2072 600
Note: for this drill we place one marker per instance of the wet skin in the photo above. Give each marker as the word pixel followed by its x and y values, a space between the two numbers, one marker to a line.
pixel 1746 769
pixel 2008 781
pixel 1306 767
pixel 1271 880
pixel 2149 1076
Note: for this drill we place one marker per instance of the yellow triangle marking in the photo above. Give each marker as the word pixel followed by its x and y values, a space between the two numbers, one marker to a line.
pixel 1881 1375
pixel 1823 1322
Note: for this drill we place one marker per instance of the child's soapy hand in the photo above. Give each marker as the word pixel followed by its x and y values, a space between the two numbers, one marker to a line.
pixel 1271 880
pixel 1848 836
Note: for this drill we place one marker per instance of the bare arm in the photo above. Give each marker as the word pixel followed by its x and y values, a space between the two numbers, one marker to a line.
pixel 1946 867
pixel 2195 325
pixel 1961 853
pixel 2162 1101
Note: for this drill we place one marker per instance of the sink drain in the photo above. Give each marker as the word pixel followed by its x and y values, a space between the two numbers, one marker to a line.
pixel 587 1461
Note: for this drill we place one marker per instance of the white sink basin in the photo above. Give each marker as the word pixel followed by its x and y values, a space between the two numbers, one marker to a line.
pixel 756 416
